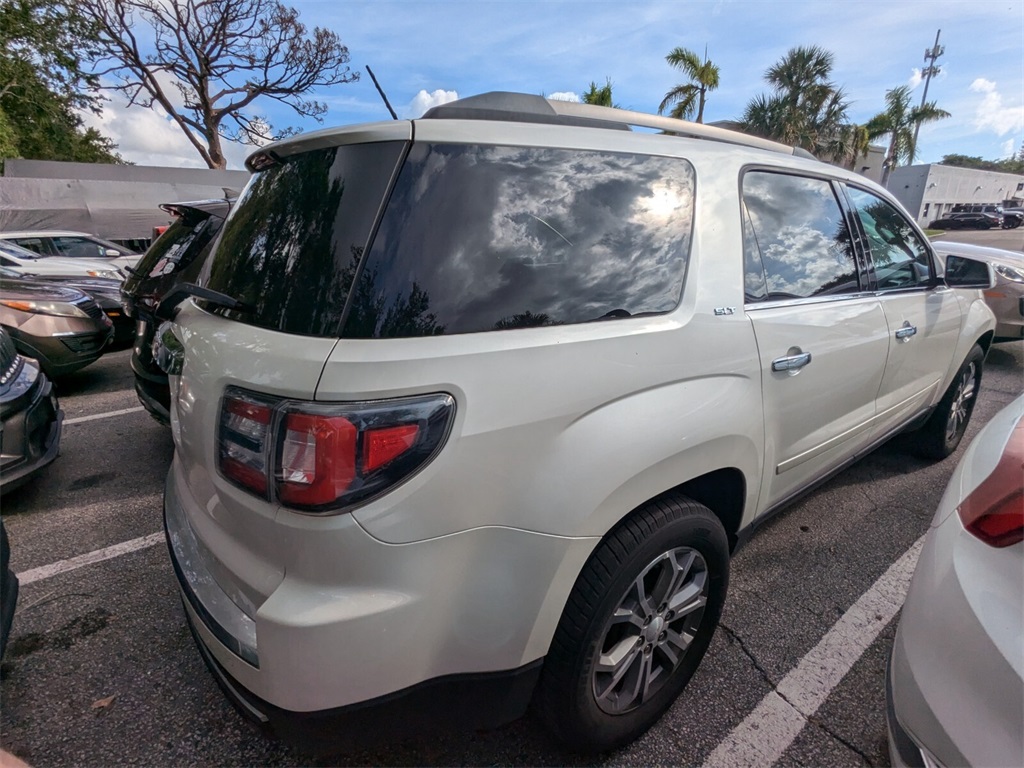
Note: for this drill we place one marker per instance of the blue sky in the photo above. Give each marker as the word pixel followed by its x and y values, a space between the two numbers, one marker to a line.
pixel 428 52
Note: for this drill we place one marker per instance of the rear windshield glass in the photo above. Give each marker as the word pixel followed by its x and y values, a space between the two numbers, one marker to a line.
pixel 481 238
pixel 186 237
pixel 290 248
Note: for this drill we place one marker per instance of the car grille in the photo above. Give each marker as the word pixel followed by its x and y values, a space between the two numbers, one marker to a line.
pixel 10 363
pixel 90 307
pixel 86 342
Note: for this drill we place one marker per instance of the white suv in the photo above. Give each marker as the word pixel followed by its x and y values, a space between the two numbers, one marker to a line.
pixel 471 410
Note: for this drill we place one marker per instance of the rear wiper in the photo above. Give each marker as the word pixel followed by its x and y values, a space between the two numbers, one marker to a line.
pixel 165 309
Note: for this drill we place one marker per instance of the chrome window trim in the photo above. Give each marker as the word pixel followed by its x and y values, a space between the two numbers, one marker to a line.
pixel 773 304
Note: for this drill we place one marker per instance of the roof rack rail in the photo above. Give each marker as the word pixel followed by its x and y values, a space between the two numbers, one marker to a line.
pixel 528 108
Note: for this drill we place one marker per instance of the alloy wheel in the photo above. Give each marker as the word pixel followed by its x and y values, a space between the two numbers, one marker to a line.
pixel 961 402
pixel 649 632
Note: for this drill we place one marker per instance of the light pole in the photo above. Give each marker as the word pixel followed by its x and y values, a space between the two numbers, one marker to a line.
pixel 931 55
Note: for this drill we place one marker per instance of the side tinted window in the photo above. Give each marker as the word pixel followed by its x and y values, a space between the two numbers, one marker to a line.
pixel 800 233
pixel 32 243
pixel 899 256
pixel 483 238
pixel 77 246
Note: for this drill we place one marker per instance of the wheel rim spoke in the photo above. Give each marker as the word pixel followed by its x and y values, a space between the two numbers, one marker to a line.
pixel 961 402
pixel 648 634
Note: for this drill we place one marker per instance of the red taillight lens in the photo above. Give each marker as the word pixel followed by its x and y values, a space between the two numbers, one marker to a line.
pixel 318 459
pixel 994 511
pixel 243 441
pixel 383 445
pixel 327 457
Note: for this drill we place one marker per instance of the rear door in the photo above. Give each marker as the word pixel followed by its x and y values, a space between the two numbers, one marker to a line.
pixel 821 336
pixel 922 316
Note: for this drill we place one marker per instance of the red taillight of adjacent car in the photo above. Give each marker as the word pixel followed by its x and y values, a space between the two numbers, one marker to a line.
pixel 327 457
pixel 994 511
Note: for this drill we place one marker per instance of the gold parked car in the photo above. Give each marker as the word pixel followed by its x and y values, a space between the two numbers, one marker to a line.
pixel 1006 297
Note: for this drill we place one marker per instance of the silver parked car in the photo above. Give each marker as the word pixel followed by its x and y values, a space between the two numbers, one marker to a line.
pixel 954 683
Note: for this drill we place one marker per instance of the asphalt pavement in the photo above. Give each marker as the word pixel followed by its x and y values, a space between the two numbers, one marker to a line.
pixel 101 669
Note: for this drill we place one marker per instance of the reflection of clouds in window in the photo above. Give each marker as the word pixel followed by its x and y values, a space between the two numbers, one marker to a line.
pixel 895 246
pixel 804 242
pixel 492 233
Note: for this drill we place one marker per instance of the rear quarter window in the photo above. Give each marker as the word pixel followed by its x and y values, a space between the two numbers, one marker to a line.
pixel 482 238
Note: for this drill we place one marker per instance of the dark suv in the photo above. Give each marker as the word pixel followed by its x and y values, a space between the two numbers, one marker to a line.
pixel 176 257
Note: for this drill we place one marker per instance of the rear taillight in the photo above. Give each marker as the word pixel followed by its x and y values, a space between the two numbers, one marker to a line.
pixel 994 511
pixel 327 457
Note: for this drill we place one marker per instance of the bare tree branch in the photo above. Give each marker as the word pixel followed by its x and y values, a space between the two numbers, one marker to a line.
pixel 220 56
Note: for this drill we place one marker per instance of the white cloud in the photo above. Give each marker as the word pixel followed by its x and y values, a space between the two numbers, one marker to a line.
pixel 992 114
pixel 1008 148
pixel 565 96
pixel 916 78
pixel 423 101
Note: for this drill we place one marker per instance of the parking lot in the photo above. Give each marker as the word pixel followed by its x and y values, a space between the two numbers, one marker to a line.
pixel 101 668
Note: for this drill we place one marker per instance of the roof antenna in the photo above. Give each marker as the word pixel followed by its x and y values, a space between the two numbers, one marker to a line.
pixel 382 94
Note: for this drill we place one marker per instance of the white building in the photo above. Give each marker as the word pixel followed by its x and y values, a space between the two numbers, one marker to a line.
pixel 931 191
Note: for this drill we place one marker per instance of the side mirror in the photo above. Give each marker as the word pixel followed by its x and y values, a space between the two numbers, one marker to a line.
pixel 111 253
pixel 962 272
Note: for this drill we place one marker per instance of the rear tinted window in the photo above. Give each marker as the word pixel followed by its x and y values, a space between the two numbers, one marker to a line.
pixel 185 238
pixel 481 238
pixel 290 248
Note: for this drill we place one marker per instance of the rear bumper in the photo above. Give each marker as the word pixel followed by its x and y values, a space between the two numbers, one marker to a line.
pixel 32 424
pixel 353 625
pixel 453 703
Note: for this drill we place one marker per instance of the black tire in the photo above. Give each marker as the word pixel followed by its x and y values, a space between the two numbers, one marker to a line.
pixel 8 590
pixel 676 546
pixel 945 428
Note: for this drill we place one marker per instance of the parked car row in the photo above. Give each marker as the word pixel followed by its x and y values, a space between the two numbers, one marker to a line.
pixel 980 220
pixel 392 318
pixel 73 245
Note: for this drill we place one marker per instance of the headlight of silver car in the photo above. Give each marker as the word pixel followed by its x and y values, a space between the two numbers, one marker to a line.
pixel 111 274
pixel 1013 274
pixel 59 308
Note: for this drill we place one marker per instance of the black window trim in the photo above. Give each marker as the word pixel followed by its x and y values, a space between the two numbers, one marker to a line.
pixel 378 218
pixel 863 266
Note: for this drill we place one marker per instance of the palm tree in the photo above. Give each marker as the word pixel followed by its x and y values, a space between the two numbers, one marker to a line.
pixel 601 97
pixel 806 109
pixel 898 122
pixel 691 96
pixel 856 142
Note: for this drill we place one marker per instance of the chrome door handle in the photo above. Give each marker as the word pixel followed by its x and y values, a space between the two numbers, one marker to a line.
pixel 904 333
pixel 791 362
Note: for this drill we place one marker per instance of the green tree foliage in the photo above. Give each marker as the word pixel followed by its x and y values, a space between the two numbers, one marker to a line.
pixel 898 122
pixel 687 98
pixel 42 84
pixel 599 96
pixel 1013 164
pixel 805 108
pixel 220 56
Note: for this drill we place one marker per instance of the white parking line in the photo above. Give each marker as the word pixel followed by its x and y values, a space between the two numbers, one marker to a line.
pixel 107 415
pixel 97 556
pixel 766 733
